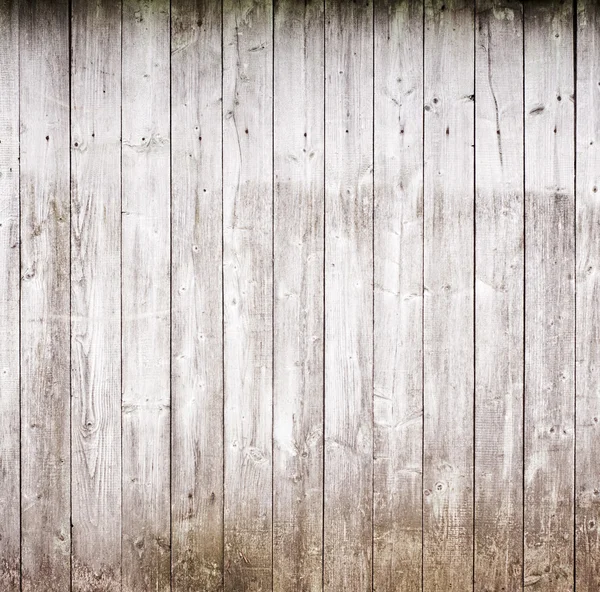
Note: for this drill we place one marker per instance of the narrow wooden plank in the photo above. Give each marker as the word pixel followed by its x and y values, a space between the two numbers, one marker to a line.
pixel 348 486
pixel 10 533
pixel 146 295
pixel 398 409
pixel 96 294
pixel 499 297
pixel 298 306
pixel 549 296
pixel 448 295
pixel 587 437
pixel 248 292
pixel 197 331
pixel 45 343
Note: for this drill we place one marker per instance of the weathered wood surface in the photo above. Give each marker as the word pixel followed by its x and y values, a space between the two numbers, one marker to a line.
pixel 96 294
pixel 499 297
pixel 549 296
pixel 448 356
pixel 197 332
pixel 298 172
pixel 587 550
pixel 339 333
pixel 348 484
pixel 45 287
pixel 398 288
pixel 10 487
pixel 248 292
pixel 145 272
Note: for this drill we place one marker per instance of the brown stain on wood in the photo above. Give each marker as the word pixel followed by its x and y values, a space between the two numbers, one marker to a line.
pixel 99 578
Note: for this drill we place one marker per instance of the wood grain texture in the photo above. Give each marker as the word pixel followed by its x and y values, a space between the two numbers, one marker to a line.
pixel 587 550
pixel 340 333
pixel 146 296
pixel 45 343
pixel 398 228
pixel 499 296
pixel 348 487
pixel 448 296
pixel 248 292
pixel 549 296
pixel 96 294
pixel 298 306
pixel 197 332
pixel 10 527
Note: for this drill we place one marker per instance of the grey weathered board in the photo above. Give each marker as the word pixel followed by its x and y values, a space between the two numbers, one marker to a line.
pixel 298 259
pixel 587 353
pixel 299 295
pixel 398 287
pixel 348 479
pixel 45 318
pixel 96 294
pixel 499 296
pixel 248 293
pixel 448 295
pixel 549 297
pixel 145 295
pixel 9 302
pixel 196 289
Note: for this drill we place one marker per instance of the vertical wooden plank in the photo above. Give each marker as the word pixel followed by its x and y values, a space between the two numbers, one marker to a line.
pixel 448 295
pixel 45 343
pixel 348 295
pixel 298 306
pixel 398 410
pixel 499 297
pixel 248 292
pixel 96 293
pixel 197 332
pixel 146 295
pixel 587 551
pixel 9 302
pixel 549 292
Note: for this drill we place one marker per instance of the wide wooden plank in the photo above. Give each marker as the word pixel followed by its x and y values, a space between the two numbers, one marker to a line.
pixel 348 487
pixel 549 296
pixel 398 409
pixel 197 331
pixel 10 528
pixel 298 306
pixel 587 437
pixel 96 294
pixel 248 292
pixel 448 296
pixel 499 297
pixel 45 343
pixel 146 296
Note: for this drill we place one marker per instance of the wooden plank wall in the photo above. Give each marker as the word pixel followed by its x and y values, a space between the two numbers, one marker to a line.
pixel 299 295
